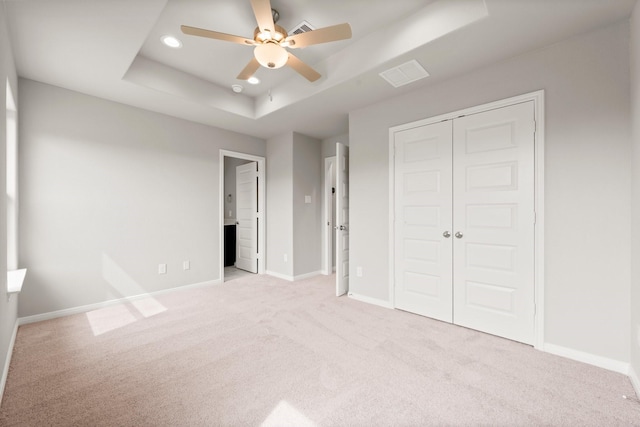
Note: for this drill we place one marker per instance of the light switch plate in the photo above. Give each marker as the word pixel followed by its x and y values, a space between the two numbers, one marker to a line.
pixel 307 199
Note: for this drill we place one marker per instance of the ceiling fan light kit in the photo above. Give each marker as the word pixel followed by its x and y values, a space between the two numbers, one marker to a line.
pixel 271 55
pixel 270 41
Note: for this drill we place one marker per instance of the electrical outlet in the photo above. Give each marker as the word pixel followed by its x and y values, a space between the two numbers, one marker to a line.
pixel 162 268
pixel 307 199
pixel 359 271
pixel 186 265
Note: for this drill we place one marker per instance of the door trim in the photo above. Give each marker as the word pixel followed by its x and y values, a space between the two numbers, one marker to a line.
pixel 538 102
pixel 262 247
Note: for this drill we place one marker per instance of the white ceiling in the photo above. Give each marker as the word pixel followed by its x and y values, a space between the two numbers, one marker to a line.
pixel 112 49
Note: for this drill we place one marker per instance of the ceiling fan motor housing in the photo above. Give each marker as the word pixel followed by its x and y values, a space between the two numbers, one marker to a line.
pixel 262 37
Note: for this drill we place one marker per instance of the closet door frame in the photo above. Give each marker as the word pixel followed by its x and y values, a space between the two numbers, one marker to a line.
pixel 538 102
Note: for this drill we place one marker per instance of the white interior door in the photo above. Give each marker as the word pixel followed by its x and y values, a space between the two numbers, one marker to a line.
pixel 423 215
pixel 328 256
pixel 493 217
pixel 247 217
pixel 342 219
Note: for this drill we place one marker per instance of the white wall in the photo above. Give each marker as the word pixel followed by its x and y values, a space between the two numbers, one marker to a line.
pixel 110 191
pixel 635 226
pixel 8 305
pixel 279 207
pixel 230 165
pixel 307 217
pixel 587 196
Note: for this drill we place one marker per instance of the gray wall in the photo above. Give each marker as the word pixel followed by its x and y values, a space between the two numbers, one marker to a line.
pixel 230 165
pixel 293 227
pixel 329 145
pixel 110 191
pixel 307 217
pixel 588 177
pixel 635 254
pixel 279 206
pixel 8 306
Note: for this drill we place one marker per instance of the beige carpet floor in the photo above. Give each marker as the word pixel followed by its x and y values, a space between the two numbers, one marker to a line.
pixel 259 351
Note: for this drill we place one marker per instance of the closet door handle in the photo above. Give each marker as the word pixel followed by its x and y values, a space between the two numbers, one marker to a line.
pixel 446 234
pixel 458 235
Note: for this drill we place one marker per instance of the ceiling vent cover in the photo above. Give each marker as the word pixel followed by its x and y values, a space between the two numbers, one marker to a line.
pixel 404 74
pixel 302 27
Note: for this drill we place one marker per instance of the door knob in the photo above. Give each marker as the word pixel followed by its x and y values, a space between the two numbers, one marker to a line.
pixel 458 235
pixel 446 234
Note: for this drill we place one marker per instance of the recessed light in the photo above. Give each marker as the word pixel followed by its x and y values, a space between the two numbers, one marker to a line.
pixel 237 88
pixel 171 41
pixel 253 80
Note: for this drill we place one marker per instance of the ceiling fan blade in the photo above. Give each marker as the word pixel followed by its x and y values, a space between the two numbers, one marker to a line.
pixel 193 31
pixel 306 71
pixel 262 11
pixel 321 35
pixel 249 70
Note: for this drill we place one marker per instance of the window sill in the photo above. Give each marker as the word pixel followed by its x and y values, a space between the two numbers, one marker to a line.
pixel 15 279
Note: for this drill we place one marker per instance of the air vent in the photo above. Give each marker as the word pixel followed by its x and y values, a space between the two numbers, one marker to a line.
pixel 302 27
pixel 404 74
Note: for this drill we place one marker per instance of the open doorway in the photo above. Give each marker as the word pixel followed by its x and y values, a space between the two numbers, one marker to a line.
pixel 242 206
pixel 336 218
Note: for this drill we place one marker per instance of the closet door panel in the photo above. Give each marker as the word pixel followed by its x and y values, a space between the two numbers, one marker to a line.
pixel 493 217
pixel 423 213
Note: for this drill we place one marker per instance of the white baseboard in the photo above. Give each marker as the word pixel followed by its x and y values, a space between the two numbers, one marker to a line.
pixel 90 307
pixel 635 380
pixel 280 276
pixel 307 275
pixel 7 361
pixel 294 278
pixel 591 359
pixel 369 300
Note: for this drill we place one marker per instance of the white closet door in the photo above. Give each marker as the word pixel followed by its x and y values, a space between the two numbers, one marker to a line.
pixel 493 219
pixel 423 183
pixel 247 217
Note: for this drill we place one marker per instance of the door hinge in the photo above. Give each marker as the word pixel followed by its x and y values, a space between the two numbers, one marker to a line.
pixel 535 217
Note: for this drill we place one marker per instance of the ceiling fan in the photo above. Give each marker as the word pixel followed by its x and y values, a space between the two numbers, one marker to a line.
pixel 270 41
